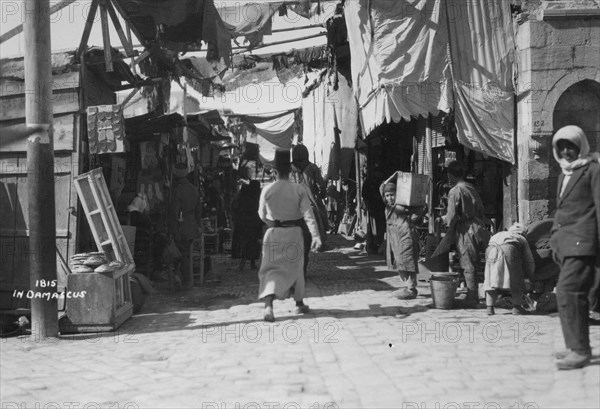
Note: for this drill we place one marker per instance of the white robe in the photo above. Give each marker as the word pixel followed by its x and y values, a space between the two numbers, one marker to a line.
pixel 282 266
pixel 508 257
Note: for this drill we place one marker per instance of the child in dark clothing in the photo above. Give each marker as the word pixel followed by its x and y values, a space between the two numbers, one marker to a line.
pixel 402 252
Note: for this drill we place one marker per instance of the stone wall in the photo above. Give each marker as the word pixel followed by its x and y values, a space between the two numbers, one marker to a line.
pixel 553 57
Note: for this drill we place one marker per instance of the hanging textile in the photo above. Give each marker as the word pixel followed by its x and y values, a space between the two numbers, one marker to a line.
pixel 270 132
pixel 398 58
pixel 318 124
pixel 231 20
pixel 482 56
pixel 408 56
pixel 346 116
pixel 278 129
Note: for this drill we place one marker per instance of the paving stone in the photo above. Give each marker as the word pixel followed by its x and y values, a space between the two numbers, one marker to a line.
pixel 197 349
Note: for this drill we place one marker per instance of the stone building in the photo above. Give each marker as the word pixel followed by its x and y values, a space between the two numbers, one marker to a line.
pixel 558 66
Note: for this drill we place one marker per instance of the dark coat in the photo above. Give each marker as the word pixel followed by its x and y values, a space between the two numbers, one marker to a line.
pixel 577 222
pixel 247 225
pixel 185 211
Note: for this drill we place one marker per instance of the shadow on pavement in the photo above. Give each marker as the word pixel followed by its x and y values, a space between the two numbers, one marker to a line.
pixel 178 321
pixel 334 272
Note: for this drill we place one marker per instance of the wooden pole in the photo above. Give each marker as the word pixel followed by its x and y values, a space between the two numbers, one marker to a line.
pixel 133 67
pixel 124 40
pixel 89 23
pixel 40 169
pixel 358 187
pixel 19 29
pixel 430 167
pixel 106 37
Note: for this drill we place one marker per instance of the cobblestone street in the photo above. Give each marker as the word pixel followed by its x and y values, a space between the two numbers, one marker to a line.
pixel 358 347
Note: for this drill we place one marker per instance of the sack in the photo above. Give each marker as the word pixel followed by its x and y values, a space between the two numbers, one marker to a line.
pixel 171 254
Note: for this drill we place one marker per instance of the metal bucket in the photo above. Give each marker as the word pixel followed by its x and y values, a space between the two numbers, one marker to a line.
pixel 443 289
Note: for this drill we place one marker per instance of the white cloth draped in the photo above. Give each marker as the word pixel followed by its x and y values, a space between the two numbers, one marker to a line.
pixel 407 57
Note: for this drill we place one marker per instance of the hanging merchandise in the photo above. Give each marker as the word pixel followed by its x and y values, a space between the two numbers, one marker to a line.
pixel 190 159
pixel 106 129
pixel 117 175
pixel 148 153
pixel 150 187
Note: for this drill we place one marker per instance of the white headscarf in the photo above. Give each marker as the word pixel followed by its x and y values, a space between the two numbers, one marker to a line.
pixel 576 135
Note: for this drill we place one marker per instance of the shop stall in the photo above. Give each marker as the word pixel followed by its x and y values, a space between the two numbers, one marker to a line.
pixel 77 85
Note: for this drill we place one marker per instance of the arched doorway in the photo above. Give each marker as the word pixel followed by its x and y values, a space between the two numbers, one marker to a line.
pixel 580 105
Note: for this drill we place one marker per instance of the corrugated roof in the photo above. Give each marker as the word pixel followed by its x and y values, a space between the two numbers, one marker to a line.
pixel 64 62
pixel 14 67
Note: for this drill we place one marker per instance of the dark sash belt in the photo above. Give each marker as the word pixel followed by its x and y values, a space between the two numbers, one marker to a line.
pixel 288 223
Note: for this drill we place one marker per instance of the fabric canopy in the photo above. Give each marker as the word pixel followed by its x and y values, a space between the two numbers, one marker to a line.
pixel 271 132
pixel 177 23
pixel 398 54
pixel 482 55
pixel 279 131
pixel 414 57
pixel 233 19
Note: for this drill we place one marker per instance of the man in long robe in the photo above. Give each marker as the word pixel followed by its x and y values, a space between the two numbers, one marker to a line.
pixel 285 207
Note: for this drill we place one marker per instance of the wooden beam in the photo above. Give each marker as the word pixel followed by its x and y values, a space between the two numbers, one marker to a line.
pixel 19 29
pixel 124 40
pixel 142 57
pixel 114 58
pixel 133 67
pixel 149 81
pixel 120 10
pixel 283 30
pixel 126 100
pixel 106 37
pixel 89 22
pixel 245 49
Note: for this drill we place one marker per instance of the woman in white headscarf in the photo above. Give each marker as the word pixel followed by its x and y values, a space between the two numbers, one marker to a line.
pixel 575 242
pixel 508 261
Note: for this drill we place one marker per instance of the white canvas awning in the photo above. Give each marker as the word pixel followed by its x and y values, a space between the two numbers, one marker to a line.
pixel 417 57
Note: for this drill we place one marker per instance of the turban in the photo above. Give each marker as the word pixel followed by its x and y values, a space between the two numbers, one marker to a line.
pixel 518 228
pixel 389 188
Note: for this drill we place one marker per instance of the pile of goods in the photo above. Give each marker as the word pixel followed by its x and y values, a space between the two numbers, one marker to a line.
pixel 94 262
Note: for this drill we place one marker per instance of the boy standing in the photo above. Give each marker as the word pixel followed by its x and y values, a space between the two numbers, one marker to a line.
pixel 402 244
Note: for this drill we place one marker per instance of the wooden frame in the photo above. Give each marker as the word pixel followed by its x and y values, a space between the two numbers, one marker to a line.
pixel 107 303
pixel 102 217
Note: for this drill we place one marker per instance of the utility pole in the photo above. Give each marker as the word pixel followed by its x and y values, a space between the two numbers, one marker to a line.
pixel 40 168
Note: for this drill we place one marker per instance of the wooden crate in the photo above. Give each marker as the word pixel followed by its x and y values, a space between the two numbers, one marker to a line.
pixel 106 304
pixel 412 189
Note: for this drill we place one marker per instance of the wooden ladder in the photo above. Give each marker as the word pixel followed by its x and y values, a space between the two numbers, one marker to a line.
pixel 102 217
